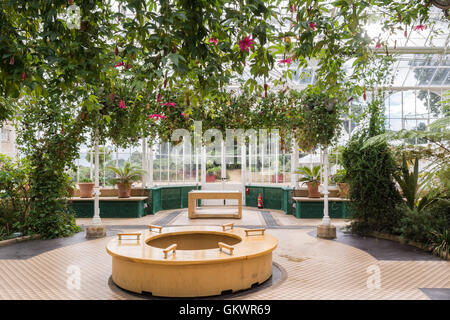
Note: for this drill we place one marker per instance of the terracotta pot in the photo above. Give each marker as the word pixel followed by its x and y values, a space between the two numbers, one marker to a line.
pixel 344 189
pixel 86 189
pixel 280 178
pixel 313 190
pixel 210 178
pixel 124 190
pixel 71 191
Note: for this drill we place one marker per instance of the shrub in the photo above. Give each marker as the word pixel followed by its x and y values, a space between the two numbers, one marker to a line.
pixel 373 194
pixel 14 197
pixel 421 225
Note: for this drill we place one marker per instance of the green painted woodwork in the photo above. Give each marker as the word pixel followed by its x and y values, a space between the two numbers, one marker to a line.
pixel 308 209
pixel 110 209
pixel 278 198
pixel 169 197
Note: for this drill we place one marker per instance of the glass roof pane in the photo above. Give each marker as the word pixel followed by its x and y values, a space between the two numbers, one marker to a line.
pixel 440 75
pixel 409 104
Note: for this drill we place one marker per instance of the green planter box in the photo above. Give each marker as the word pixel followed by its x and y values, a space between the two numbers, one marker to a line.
pixel 169 197
pixel 278 198
pixel 110 209
pixel 314 209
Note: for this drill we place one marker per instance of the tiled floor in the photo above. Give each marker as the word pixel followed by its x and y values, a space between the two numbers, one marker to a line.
pixel 313 268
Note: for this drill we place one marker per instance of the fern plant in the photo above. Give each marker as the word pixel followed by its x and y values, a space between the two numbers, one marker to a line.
pixel 126 175
pixel 441 244
pixel 309 175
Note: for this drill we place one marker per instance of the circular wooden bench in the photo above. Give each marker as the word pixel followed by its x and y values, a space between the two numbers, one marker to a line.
pixel 191 261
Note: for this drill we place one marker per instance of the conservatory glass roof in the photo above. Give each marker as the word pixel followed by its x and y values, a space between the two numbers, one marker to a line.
pixel 422 58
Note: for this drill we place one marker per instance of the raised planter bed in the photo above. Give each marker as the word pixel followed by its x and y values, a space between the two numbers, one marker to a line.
pixel 19 239
pixel 312 208
pixel 392 237
pixel 110 207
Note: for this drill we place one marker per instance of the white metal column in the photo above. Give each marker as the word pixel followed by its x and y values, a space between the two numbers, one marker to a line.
pixel 150 165
pixel 96 219
pixel 144 162
pixel 326 219
pixel 243 170
pixel 294 163
pixel 203 167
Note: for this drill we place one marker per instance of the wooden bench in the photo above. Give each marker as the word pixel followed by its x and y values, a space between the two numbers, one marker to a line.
pixel 195 195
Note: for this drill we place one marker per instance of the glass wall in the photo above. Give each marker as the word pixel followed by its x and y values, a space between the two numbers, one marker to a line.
pixel 267 162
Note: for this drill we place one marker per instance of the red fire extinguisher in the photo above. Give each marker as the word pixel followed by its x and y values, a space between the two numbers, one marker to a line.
pixel 260 202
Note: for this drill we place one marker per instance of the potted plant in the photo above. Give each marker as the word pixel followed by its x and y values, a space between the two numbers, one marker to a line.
pixel 312 180
pixel 340 179
pixel 72 187
pixel 211 174
pixel 86 186
pixel 125 178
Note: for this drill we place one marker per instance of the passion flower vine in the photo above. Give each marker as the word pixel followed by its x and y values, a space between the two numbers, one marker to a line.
pixel 288 61
pixel 246 44
pixel 420 27
pixel 156 116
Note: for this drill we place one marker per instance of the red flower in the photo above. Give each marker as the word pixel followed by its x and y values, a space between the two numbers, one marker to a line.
pixel 288 61
pixel 246 43
pixel 378 45
pixel 171 104
pixel 122 104
pixel 312 25
pixel 156 116
pixel 120 64
pixel 24 75
pixel 212 40
pixel 420 27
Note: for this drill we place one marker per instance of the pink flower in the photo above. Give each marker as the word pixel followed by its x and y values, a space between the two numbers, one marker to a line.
pixel 246 43
pixel 12 60
pixel 312 25
pixel 288 61
pixel 120 64
pixel 24 75
pixel 122 104
pixel 213 40
pixel 183 114
pixel 420 27
pixel 156 116
pixel 378 45
pixel 172 104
